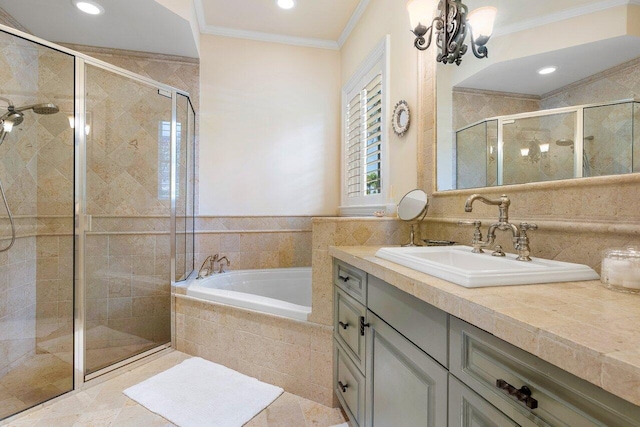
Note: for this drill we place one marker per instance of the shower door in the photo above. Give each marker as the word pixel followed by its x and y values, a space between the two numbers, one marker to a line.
pixel 36 223
pixel 128 207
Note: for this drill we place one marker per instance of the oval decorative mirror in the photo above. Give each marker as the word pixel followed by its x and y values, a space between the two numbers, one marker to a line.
pixel 401 118
pixel 413 208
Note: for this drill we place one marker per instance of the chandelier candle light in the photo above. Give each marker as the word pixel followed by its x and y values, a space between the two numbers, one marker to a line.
pixel 451 24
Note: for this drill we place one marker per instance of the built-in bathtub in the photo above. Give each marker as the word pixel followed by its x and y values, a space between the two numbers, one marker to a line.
pixel 280 291
pixel 255 321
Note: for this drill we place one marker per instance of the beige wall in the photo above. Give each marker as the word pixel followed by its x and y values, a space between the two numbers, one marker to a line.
pixel 269 128
pixel 380 18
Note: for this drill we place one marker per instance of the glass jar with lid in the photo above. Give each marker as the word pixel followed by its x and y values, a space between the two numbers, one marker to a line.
pixel 621 269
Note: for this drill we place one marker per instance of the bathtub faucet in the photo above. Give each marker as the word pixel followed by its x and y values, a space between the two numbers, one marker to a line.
pixel 221 268
pixel 207 268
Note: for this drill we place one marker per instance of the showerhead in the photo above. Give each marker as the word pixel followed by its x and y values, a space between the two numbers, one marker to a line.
pixel 15 116
pixel 46 108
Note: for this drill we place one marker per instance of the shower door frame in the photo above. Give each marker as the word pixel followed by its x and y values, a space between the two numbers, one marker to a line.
pixel 511 118
pixel 82 221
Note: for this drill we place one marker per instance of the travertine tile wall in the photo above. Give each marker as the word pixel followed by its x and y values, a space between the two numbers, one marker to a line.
pixel 345 232
pixel 36 167
pixel 577 218
pixel 296 356
pixel 17 303
pixel 255 242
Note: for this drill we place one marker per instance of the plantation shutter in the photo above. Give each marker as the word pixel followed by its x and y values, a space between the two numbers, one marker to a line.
pixel 364 139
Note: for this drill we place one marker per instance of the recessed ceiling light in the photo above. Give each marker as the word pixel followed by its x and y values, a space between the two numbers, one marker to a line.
pixel 90 7
pixel 547 70
pixel 286 4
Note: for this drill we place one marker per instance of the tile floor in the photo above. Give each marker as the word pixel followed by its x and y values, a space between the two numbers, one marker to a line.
pixel 105 405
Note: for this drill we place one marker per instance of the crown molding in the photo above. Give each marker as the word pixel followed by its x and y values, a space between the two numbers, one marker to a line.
pixel 353 21
pixel 268 37
pixel 561 16
pixel 279 38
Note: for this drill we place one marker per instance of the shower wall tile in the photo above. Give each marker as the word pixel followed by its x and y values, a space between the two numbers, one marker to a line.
pixel 17 303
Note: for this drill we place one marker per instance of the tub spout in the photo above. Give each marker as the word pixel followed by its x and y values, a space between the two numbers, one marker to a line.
pixel 221 264
pixel 207 266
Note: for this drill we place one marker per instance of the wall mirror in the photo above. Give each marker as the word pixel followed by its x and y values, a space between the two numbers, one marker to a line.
pixel 558 96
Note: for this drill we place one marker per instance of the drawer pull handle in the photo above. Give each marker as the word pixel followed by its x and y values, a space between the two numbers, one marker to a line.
pixel 343 325
pixel 343 387
pixel 344 278
pixel 523 394
pixel 363 325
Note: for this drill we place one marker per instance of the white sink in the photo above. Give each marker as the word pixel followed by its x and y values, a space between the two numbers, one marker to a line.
pixel 458 265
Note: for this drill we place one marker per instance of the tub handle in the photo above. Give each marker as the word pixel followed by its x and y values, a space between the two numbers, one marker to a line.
pixel 343 325
pixel 343 278
pixel 363 325
pixel 343 387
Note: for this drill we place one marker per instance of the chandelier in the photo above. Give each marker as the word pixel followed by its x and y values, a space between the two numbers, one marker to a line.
pixel 451 24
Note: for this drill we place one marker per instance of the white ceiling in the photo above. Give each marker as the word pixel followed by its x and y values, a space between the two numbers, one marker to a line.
pixel 319 23
pixel 145 25
pixel 574 63
pixel 142 25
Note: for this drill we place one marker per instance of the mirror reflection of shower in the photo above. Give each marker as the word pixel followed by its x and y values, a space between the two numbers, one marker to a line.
pixel 586 166
pixel 13 117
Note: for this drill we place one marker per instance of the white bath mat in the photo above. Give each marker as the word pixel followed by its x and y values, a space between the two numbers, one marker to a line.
pixel 201 393
pixel 341 425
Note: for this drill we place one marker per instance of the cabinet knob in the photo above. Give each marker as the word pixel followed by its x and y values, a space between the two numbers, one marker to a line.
pixel 344 278
pixel 343 325
pixel 363 325
pixel 343 387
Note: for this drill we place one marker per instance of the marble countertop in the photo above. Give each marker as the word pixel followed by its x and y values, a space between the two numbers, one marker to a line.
pixel 581 327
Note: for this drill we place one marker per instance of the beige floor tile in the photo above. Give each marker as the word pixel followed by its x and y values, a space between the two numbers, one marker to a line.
pixel 106 405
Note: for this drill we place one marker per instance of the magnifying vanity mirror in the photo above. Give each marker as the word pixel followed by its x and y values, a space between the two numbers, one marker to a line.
pixel 557 98
pixel 412 209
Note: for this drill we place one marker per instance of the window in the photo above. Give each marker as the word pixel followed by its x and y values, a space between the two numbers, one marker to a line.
pixel 364 139
pixel 164 158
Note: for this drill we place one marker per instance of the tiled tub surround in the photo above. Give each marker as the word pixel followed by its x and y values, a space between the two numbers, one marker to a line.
pixel 294 355
pixel 345 232
pixel 580 327
pixel 255 242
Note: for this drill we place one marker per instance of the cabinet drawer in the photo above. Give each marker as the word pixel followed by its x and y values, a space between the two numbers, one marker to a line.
pixel 351 280
pixel 348 386
pixel 346 326
pixel 468 409
pixel 423 324
pixel 480 360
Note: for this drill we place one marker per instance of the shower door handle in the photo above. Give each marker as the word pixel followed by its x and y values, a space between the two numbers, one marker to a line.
pixel 88 219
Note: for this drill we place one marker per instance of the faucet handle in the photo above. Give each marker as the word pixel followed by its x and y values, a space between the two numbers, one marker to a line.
pixel 525 226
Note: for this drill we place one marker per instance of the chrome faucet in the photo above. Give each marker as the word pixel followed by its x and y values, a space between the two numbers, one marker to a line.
pixel 518 234
pixel 207 266
pixel 221 265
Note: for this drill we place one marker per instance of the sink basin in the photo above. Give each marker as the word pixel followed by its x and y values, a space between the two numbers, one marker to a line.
pixel 458 265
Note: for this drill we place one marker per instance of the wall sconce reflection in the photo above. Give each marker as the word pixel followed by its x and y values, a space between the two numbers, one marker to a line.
pixel 72 125
pixel 535 151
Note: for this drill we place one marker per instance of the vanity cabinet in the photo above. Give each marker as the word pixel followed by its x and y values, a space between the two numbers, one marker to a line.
pixel 405 387
pixel 401 362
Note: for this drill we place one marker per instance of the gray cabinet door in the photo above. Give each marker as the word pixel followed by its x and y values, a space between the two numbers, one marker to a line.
pixel 468 409
pixel 405 387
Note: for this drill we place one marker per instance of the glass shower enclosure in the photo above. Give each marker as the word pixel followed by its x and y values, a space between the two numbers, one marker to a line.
pixel 96 217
